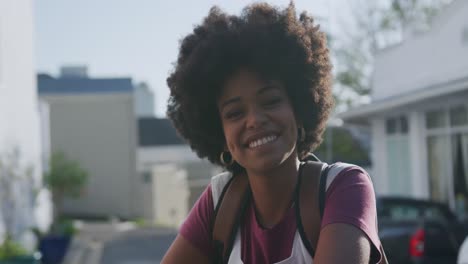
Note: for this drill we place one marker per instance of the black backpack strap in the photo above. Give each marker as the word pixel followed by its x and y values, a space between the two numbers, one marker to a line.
pixel 323 188
pixel 228 214
pixel 307 206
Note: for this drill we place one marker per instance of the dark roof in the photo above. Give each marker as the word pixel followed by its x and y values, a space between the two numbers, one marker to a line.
pixel 50 85
pixel 157 132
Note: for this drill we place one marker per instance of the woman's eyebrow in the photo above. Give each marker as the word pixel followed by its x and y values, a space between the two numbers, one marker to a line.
pixel 268 87
pixel 264 89
pixel 230 101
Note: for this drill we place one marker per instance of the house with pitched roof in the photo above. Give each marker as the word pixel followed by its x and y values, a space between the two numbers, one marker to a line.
pixel 419 113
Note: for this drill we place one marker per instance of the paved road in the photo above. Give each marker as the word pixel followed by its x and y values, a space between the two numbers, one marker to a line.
pixel 139 246
pixel 118 243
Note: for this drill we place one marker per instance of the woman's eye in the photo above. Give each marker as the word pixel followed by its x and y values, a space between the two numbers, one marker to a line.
pixel 272 101
pixel 233 114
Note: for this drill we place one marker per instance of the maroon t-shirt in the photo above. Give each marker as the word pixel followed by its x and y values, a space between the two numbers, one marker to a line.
pixel 350 199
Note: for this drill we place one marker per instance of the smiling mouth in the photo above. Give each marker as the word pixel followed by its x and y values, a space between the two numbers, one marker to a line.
pixel 262 141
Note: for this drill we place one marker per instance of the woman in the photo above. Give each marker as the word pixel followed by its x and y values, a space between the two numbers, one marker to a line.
pixel 252 93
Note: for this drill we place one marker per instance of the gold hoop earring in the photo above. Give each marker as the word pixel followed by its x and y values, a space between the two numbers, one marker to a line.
pixel 301 134
pixel 223 159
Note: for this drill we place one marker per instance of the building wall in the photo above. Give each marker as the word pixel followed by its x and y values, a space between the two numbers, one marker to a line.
pixel 200 174
pixel 19 110
pixel 145 194
pixel 179 178
pixel 98 130
pixel 426 59
pixel 144 100
pixel 18 101
pixel 172 191
pixel 44 209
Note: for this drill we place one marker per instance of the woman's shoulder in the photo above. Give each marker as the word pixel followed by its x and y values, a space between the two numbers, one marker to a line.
pixel 218 182
pixel 221 178
pixel 346 173
pixel 351 200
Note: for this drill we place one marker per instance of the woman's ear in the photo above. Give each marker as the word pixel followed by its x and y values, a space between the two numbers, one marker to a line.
pixel 225 147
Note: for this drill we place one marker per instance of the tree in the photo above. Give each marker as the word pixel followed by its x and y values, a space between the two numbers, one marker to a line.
pixel 375 26
pixel 341 144
pixel 65 178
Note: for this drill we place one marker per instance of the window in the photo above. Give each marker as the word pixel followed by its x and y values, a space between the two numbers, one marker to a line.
pixel 408 210
pixel 458 116
pixel 146 177
pixel 447 155
pixel 396 125
pixel 438 148
pixel 403 125
pixel 436 119
pixel 391 126
pixel 398 154
pixel 404 213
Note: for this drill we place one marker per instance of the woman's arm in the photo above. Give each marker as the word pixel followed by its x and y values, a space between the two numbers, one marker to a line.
pixel 182 251
pixel 342 243
pixel 349 229
pixel 193 243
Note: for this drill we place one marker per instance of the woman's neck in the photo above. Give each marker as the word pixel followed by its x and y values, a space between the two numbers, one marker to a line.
pixel 273 191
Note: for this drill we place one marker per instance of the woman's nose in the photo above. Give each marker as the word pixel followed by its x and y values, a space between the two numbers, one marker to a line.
pixel 255 119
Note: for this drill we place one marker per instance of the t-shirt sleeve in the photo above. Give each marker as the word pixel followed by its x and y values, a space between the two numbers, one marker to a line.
pixel 351 199
pixel 197 227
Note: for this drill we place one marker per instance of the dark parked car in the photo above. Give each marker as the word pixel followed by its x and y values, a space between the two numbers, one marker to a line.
pixel 419 231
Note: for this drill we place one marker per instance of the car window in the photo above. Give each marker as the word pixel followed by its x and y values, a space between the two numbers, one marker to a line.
pixel 434 213
pixel 400 211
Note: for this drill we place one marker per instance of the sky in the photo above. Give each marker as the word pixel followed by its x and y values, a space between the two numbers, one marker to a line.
pixel 133 38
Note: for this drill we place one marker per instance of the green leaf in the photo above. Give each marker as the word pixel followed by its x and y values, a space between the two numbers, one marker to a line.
pixel 65 176
pixel 10 249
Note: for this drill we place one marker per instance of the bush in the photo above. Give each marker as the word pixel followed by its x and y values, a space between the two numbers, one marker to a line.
pixel 65 178
pixel 63 227
pixel 10 249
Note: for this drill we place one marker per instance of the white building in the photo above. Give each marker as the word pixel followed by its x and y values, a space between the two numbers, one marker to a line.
pixel 177 176
pixel 419 113
pixel 92 120
pixel 20 116
pixel 144 100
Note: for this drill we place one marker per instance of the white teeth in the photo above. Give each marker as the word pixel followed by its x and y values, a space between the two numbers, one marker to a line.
pixel 261 141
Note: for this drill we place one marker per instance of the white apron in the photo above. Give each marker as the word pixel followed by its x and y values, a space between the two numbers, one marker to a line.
pixel 299 253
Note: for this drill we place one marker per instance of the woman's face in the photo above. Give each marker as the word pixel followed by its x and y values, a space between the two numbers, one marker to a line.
pixel 258 121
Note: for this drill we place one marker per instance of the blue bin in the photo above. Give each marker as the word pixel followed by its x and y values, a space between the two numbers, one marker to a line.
pixel 53 248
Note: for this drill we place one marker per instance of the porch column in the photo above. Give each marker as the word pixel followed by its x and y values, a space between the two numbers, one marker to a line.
pixel 418 153
pixel 379 157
